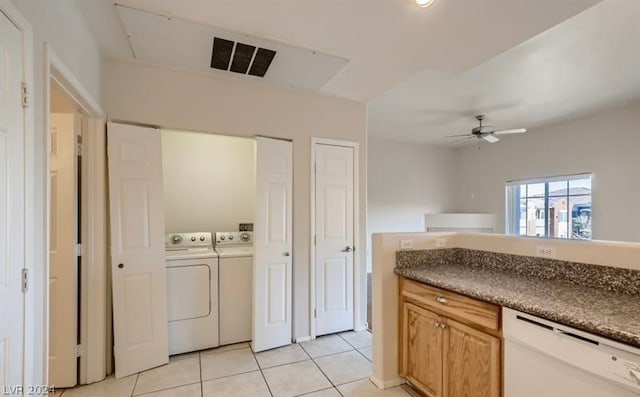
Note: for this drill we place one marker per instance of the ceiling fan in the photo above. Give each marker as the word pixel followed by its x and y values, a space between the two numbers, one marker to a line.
pixel 486 132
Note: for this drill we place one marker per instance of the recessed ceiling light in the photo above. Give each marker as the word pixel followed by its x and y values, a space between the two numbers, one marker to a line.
pixel 424 3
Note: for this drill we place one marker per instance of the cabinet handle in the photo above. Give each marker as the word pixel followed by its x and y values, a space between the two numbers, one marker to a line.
pixel 436 324
pixel 442 300
pixel 443 326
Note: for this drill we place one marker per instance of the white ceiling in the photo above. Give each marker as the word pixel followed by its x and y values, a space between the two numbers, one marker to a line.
pixel 589 62
pixel 385 41
pixel 185 45
pixel 426 72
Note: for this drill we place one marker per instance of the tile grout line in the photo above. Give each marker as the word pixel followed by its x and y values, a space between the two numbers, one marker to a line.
pixel 133 390
pixel 201 384
pixel 329 355
pixel 261 372
pixel 320 369
pixel 351 344
pixel 362 354
pixel 168 388
pixel 317 391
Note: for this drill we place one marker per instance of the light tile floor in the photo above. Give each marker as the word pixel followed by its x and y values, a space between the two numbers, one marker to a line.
pixel 329 366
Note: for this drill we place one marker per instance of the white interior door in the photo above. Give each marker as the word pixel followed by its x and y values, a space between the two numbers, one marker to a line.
pixel 334 238
pixel 63 221
pixel 137 249
pixel 12 211
pixel 272 245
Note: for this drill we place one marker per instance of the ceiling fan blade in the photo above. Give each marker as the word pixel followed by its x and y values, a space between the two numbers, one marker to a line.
pixel 458 136
pixel 511 131
pixel 459 141
pixel 490 138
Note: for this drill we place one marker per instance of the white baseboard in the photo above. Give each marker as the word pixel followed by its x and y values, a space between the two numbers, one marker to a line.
pixel 387 384
pixel 303 339
pixel 362 327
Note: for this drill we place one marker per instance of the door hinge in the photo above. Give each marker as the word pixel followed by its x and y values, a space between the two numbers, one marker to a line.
pixel 78 149
pixel 78 350
pixel 315 168
pixel 315 313
pixel 79 250
pixel 25 280
pixel 26 98
pixel 315 240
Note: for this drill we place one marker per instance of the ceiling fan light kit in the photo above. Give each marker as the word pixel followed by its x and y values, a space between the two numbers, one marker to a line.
pixel 486 132
pixel 424 3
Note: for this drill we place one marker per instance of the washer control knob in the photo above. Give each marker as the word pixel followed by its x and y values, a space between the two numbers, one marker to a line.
pixel 176 238
pixel 201 238
pixel 244 236
pixel 193 239
pixel 222 237
pixel 231 237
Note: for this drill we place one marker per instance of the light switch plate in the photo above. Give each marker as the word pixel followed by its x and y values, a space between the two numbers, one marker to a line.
pixel 406 244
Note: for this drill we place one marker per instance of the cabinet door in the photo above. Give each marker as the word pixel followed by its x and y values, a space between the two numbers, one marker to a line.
pixel 472 362
pixel 422 349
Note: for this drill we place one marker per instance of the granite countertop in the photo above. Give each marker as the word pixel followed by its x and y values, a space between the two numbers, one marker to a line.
pixel 609 314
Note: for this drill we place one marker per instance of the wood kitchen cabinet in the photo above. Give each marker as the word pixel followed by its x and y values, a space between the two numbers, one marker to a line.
pixel 423 351
pixel 450 344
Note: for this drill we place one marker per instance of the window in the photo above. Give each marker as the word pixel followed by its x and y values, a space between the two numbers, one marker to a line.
pixel 556 207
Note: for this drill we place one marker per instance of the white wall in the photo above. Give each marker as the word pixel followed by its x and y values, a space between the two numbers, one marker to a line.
pixel 209 181
pixel 606 143
pixel 60 24
pixel 177 100
pixel 406 181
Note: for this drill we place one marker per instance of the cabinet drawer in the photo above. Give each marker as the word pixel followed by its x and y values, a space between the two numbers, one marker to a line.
pixel 453 304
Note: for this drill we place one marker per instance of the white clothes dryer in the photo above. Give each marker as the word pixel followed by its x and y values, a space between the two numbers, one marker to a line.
pixel 236 286
pixel 192 292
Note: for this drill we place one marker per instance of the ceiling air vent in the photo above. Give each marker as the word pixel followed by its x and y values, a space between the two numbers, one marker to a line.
pixel 240 57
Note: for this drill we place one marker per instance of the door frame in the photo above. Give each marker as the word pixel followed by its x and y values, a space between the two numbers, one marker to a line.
pixel 357 271
pixel 93 231
pixel 31 334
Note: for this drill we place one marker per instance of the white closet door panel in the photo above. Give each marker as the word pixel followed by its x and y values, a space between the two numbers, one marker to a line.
pixel 272 307
pixel 12 210
pixel 63 221
pixel 137 252
pixel 334 238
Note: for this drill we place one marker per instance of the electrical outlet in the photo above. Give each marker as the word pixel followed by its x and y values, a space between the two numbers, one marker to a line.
pixel 545 252
pixel 406 244
pixel 441 242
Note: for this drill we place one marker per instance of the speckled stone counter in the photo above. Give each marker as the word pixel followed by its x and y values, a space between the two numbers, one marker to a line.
pixel 609 307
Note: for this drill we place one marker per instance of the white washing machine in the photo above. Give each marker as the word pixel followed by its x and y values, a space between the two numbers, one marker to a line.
pixel 235 250
pixel 192 292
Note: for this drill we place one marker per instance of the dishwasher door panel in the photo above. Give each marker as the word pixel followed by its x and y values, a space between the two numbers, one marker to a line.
pixel 530 373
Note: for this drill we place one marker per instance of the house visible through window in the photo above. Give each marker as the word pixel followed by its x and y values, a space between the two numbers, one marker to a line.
pixel 557 207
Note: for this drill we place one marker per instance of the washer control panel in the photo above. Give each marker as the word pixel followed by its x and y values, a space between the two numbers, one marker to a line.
pixel 187 240
pixel 234 238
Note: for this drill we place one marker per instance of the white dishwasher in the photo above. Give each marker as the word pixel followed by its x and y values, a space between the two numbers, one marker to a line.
pixel 543 358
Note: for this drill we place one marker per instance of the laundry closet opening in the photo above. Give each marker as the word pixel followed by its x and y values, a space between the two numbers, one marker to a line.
pixel 209 186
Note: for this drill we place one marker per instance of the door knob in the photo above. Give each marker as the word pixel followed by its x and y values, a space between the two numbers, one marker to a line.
pixel 120 265
pixel 286 254
pixel 348 249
